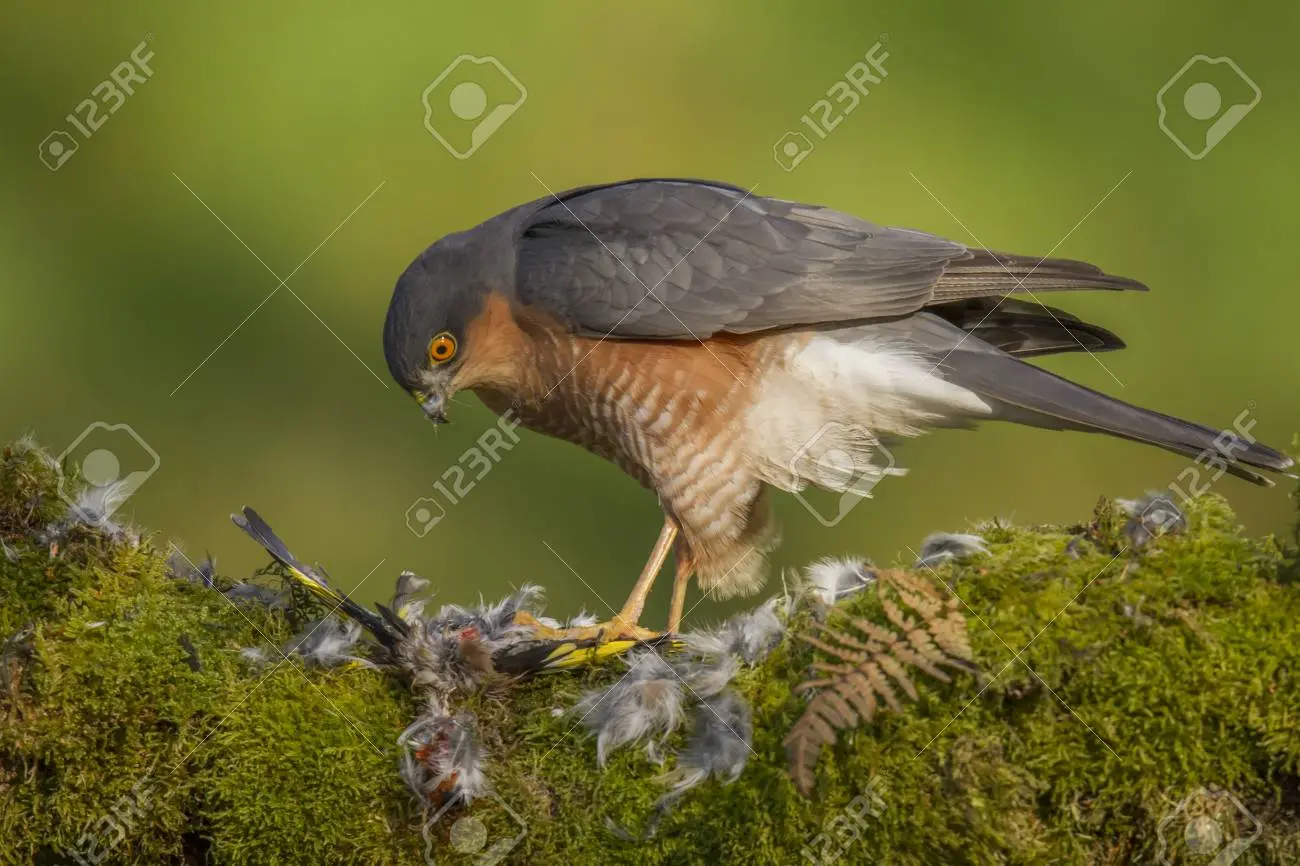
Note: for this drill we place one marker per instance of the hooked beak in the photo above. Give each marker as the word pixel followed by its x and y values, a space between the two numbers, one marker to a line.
pixel 434 406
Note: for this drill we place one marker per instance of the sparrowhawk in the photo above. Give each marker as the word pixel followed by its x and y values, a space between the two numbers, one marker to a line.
pixel 715 344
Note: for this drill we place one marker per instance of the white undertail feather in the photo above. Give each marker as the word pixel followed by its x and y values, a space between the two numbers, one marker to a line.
pixel 818 414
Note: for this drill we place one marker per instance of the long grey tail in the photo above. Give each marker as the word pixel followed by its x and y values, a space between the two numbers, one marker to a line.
pixel 985 273
pixel 1025 394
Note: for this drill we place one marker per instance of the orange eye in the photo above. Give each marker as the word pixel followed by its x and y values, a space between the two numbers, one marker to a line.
pixel 442 348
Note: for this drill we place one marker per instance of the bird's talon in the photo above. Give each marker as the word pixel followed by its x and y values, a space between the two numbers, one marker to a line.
pixel 600 633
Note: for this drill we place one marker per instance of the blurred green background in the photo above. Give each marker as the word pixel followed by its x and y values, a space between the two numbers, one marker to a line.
pixel 1020 117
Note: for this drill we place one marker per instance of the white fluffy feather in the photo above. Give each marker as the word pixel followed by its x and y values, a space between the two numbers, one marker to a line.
pixel 820 412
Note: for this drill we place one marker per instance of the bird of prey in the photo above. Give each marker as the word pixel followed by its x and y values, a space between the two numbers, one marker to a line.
pixel 715 345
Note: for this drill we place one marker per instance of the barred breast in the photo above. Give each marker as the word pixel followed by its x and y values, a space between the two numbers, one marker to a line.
pixel 671 415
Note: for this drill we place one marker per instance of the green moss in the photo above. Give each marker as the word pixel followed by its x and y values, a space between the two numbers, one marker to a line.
pixel 1115 683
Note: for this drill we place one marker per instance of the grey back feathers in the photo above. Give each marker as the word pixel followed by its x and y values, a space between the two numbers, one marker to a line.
pixel 678 259
pixel 681 259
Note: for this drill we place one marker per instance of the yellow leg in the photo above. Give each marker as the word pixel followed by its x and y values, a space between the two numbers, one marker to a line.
pixel 624 625
pixel 630 615
pixel 685 568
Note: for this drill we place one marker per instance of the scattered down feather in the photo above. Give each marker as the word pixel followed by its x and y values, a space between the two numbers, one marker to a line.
pixel 943 547
pixel 707 676
pixel 720 744
pixel 493 622
pixel 181 567
pixel 1150 517
pixel 832 580
pixel 328 643
pixel 406 603
pixel 582 619
pixel 749 636
pixel 647 703
pixel 93 508
pixel 27 445
pixel 257 594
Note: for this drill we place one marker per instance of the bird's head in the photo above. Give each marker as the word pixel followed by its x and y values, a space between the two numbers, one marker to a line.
pixel 428 336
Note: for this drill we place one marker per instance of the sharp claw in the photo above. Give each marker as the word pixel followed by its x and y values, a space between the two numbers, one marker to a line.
pixel 605 632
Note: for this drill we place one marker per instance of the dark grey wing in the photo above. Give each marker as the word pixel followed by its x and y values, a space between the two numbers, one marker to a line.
pixel 1026 329
pixel 681 258
pixel 685 258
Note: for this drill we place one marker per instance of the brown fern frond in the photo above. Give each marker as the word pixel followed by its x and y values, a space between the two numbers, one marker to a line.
pixel 873 645
pixel 891 665
pixel 870 662
pixel 860 693
pixel 923 663
pixel 828 667
pixel 830 649
pixel 880 685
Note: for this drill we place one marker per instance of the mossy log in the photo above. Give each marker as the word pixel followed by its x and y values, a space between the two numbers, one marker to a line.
pixel 1114 683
